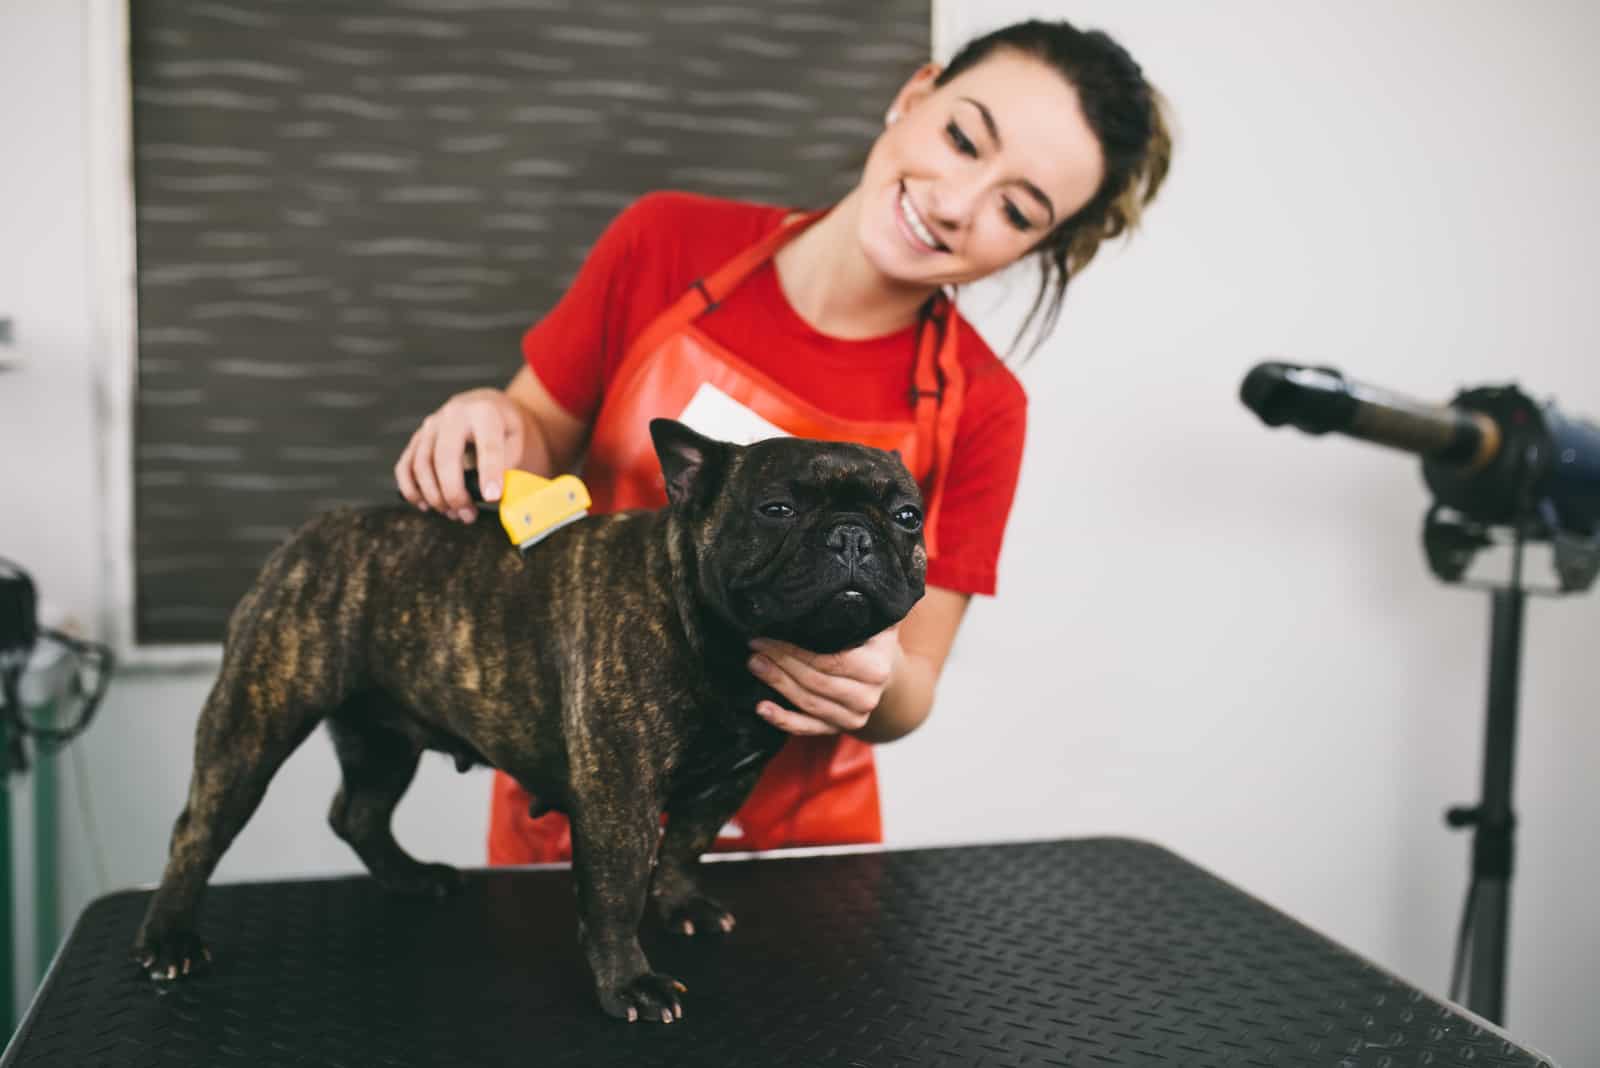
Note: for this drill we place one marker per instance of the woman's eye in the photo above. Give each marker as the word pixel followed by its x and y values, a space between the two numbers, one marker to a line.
pixel 959 139
pixel 1016 218
pixel 908 517
pixel 777 510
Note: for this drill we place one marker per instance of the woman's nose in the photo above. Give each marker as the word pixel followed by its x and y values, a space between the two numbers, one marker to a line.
pixel 952 202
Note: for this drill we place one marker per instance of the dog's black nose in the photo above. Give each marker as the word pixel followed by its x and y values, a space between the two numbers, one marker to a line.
pixel 852 541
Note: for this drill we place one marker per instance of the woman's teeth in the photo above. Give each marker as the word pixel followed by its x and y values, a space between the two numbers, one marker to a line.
pixel 918 227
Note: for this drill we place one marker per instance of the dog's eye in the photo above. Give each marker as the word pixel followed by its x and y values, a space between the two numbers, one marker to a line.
pixel 777 510
pixel 908 517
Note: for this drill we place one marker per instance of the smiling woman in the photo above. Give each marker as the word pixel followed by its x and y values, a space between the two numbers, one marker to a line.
pixel 1040 140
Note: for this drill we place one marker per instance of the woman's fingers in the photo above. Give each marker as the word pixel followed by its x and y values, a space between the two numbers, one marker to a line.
pixel 830 692
pixel 811 682
pixel 431 471
pixel 402 473
pixel 422 465
pixel 449 466
pixel 837 704
pixel 793 722
pixel 497 439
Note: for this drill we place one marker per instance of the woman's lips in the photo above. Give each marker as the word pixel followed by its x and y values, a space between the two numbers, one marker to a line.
pixel 912 227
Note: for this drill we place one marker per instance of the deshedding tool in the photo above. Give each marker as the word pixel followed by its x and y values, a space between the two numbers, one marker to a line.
pixel 532 508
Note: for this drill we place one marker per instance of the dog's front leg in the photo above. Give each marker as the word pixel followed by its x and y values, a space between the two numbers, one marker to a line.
pixel 692 827
pixel 614 841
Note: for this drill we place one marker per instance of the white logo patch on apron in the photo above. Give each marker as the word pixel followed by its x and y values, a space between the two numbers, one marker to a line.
pixel 716 415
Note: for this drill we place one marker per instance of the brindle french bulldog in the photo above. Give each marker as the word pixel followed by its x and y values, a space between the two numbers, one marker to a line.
pixel 604 669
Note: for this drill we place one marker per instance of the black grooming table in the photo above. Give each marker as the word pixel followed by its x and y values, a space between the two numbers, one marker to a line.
pixel 1082 952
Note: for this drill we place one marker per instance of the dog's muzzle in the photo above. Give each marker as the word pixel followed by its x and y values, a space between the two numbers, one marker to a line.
pixel 851 542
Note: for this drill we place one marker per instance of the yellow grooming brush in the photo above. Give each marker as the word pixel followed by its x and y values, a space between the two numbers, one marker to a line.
pixel 532 508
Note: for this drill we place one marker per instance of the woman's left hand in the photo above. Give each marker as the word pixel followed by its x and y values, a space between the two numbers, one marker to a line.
pixel 833 692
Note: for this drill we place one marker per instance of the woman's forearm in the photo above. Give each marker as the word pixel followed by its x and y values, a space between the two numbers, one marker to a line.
pixel 552 439
pixel 906 701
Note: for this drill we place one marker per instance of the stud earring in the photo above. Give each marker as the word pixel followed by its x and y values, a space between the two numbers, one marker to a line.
pixel 888 120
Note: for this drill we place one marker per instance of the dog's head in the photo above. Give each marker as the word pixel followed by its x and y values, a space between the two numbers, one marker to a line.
pixel 818 543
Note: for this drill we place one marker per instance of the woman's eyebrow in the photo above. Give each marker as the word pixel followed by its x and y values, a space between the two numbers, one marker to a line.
pixel 994 134
pixel 988 120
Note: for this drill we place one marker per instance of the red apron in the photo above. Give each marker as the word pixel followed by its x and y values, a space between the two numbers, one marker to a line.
pixel 817 790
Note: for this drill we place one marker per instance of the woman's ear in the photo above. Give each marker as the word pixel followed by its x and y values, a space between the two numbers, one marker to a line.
pixel 916 88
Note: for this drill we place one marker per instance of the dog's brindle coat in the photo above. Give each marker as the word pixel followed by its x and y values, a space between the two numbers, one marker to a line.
pixel 605 670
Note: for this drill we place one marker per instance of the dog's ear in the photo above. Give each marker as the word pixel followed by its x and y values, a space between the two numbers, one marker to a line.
pixel 689 461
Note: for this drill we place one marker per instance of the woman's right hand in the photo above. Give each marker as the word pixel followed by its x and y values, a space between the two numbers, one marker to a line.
pixel 431 471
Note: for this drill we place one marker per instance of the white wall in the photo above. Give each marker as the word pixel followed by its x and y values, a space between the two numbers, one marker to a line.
pixel 46 421
pixel 1218 637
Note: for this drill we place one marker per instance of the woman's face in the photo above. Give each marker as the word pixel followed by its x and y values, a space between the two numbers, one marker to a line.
pixel 973 174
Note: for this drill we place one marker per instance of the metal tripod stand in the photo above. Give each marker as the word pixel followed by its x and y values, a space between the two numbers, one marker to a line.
pixel 1484 922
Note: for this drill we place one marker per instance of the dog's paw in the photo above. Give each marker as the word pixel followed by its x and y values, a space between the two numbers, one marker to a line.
pixel 171 957
pixel 651 997
pixel 696 915
pixel 424 880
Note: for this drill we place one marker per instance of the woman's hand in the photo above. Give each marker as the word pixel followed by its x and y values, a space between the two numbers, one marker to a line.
pixel 833 692
pixel 431 470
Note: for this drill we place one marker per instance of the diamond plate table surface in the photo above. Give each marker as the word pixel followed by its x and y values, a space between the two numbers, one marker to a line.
pixel 1081 952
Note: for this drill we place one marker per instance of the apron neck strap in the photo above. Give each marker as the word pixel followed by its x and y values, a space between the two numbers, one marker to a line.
pixel 706 292
pixel 715 287
pixel 938 386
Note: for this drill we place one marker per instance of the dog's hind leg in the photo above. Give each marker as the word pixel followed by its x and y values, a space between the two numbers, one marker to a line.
pixel 248 728
pixel 378 764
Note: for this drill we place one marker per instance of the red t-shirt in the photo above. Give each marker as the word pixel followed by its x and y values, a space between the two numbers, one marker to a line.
pixel 659 245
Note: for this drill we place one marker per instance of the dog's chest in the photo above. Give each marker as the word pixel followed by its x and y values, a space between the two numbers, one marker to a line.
pixel 721 753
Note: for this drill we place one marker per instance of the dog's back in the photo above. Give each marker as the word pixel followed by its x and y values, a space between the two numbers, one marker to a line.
pixel 431 611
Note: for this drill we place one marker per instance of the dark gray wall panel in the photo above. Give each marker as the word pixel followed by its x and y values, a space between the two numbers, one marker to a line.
pixel 348 211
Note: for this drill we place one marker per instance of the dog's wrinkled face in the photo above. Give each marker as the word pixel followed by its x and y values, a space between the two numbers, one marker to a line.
pixel 815 543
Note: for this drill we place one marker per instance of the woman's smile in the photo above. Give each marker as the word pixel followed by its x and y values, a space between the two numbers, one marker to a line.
pixel 917 233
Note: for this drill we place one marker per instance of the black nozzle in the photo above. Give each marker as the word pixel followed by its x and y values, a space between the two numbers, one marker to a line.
pixel 1313 399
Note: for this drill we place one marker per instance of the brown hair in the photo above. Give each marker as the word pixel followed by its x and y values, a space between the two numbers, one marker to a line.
pixel 1128 117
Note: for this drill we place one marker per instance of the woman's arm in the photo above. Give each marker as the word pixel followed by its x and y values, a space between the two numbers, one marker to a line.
pixel 555 436
pixel 926 635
